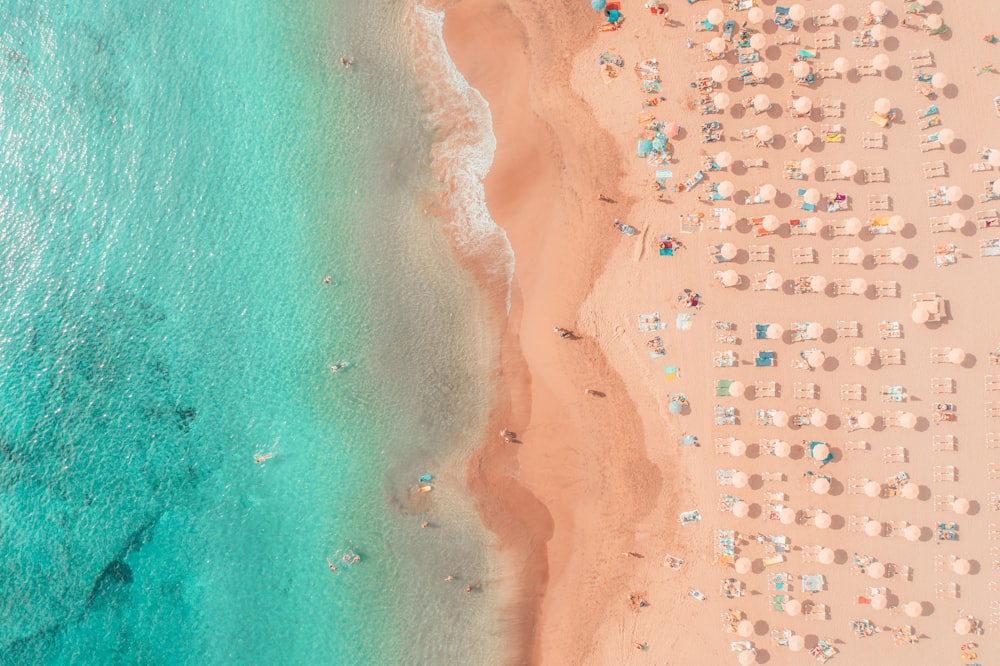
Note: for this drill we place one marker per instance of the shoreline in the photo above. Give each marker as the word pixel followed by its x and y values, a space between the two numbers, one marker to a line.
pixel 551 498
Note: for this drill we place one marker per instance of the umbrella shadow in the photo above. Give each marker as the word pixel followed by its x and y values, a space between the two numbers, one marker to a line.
pixel 775 81
pixel 890 44
pixel 894 73
pixel 832 420
pixel 958 146
pixel 782 200
pixel 829 335
pixel 772 52
pixel 911 262
pixel 838 523
pixel 922 424
pixel 969 361
pixel 774 112
pixel 966 202
pixel 950 91
pixel 908 231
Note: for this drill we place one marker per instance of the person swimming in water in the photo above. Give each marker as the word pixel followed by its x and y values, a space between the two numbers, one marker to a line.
pixel 261 457
pixel 329 563
pixel 340 365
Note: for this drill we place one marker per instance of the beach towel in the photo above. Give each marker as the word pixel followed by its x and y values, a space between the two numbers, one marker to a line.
pixel 671 372
pixel 683 321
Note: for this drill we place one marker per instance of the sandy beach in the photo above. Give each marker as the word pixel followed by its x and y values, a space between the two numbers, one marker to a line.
pixel 895 213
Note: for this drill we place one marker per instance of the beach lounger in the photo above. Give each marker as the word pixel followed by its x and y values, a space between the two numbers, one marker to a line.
pixel 936 169
pixel 945 473
pixel 873 140
pixel 940 225
pixel 852 392
pixel 785 39
pixel 842 287
pixel 892 356
pixel 975 167
pixel 946 590
pixel 803 255
pixel 842 255
pixel 831 108
pixel 824 70
pixel 944 443
pixel 941 385
pixel 825 40
pixel 865 68
pixel 929 122
pixel 848 329
pixel 886 289
pixel 760 253
pixel 992 410
pixel 928 144
pixel 856 446
pixel 863 39
pixel 939 354
pixel 855 523
pixel 921 58
pixel 765 389
pixel 875 174
pixel 821 17
pixel 832 172
pixel 792 170
pixel 893 454
pixel 754 163
pixel 987 219
pixel 805 391
pixel 772 477
pixel 855 485
pixel 879 202
pixel 882 255
pixel 945 254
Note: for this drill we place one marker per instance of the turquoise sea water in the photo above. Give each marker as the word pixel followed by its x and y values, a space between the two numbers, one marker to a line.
pixel 176 180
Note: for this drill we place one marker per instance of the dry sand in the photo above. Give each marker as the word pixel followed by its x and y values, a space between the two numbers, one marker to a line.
pixel 595 477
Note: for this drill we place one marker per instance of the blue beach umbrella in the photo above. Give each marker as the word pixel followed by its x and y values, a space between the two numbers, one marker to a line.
pixel 598 5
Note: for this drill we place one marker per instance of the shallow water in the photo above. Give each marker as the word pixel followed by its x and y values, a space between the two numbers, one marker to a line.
pixel 175 184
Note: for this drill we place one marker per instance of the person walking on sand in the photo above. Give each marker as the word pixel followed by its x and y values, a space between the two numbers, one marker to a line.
pixel 561 332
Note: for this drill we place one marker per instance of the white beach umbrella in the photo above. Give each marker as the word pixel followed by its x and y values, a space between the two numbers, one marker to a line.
pixel 956 221
pixel 782 449
pixel 726 189
pixel 920 315
pixel 913 609
pixel 862 357
pixel 961 506
pixel 719 73
pixel 826 556
pixel 740 509
pixel 946 136
pixel 993 157
pixel 771 223
pixel 721 101
pixel 912 532
pixel 877 8
pixel 934 21
pixel 744 628
pixel 815 359
pixel 729 278
pixel 814 330
pixel 855 255
pixel 793 607
pixel 821 486
pixel 773 280
pixel 953 194
pixel 803 104
pixel 759 69
pixel 858 286
pixel 727 250
pixel 820 451
pixel 879 601
pixel 727 218
pixel 796 12
pixel 761 102
pixel 736 390
pixel 813 226
pixel 881 62
pixel 876 570
pixel 896 223
pixel 873 528
pixel 811 196
pixel 879 31
pixel 746 657
pixel 715 16
pixel 963 626
pixel 852 225
pixel 801 69
pixel 724 158
pixel 823 520
pixel 848 168
pixel 841 65
pixel 743 565
pixel 717 45
pixel 908 420
pixel 911 490
pixel 838 12
pixel 796 643
pixel 786 515
pixel 804 137
pixel 755 15
pixel 817 282
pixel 961 566
pixel 757 42
pixel 764 133
pixel 780 418
pixel 808 165
pixel 882 105
pixel 939 80
pixel 737 447
pixel 873 489
pixel 956 355
pixel 897 255
pixel 740 480
pixel 866 419
pixel 767 191
pixel 995 187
